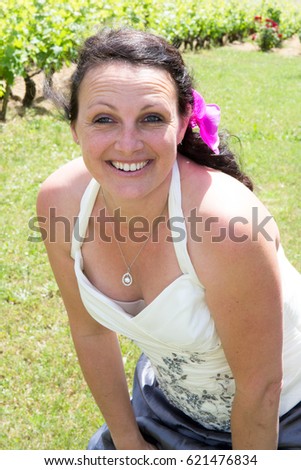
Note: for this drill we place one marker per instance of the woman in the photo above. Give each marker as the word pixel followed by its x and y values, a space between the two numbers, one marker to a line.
pixel 171 248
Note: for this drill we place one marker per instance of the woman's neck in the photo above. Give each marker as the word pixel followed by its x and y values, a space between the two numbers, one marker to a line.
pixel 148 209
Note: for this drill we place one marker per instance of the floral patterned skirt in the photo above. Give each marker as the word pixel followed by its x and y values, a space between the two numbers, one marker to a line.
pixel 170 429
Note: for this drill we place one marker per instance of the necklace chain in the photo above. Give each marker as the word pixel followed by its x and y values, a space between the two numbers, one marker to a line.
pixel 127 278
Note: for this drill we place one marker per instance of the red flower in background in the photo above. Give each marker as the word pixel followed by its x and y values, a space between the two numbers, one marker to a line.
pixel 267 33
pixel 271 23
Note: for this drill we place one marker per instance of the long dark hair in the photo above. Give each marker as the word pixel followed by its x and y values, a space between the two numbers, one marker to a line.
pixel 145 49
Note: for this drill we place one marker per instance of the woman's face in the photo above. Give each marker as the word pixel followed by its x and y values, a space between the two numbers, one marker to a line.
pixel 128 127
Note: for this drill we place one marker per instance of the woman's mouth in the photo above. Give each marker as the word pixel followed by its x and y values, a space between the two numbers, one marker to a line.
pixel 129 167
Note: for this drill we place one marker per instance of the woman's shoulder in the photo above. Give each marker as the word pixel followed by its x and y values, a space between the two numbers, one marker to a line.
pixel 63 189
pixel 213 192
pixel 58 204
pixel 224 205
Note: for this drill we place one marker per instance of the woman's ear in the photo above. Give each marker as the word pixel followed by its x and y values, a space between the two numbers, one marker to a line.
pixel 74 133
pixel 184 123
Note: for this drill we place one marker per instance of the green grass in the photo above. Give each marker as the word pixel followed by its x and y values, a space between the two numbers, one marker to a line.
pixel 259 97
pixel 46 402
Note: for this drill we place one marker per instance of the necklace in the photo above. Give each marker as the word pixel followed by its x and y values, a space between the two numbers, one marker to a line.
pixel 127 278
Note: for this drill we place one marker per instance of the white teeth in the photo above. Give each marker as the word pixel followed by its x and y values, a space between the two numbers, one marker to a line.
pixel 129 167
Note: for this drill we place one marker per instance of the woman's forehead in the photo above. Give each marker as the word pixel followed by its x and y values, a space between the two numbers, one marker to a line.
pixel 121 77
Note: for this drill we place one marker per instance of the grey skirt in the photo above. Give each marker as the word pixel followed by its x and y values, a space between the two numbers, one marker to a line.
pixel 170 429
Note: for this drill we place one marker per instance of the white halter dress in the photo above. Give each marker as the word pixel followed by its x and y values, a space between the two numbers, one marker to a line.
pixel 176 331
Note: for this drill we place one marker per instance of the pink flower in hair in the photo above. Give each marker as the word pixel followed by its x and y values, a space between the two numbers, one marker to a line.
pixel 207 118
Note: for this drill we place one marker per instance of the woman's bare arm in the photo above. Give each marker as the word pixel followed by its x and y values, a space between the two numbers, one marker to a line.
pixel 96 346
pixel 244 296
pixel 238 266
pixel 245 301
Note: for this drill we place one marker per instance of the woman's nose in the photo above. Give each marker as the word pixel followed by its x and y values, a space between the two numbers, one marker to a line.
pixel 128 141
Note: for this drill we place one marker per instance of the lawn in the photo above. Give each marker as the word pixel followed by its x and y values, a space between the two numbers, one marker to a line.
pixel 46 402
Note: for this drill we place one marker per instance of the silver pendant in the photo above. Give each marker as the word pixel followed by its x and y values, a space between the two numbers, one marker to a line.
pixel 127 279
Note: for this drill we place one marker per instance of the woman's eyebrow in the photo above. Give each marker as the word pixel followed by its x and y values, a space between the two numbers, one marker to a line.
pixel 103 103
pixel 109 105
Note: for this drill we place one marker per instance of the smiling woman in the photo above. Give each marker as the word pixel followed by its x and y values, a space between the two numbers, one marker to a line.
pixel 130 149
pixel 216 312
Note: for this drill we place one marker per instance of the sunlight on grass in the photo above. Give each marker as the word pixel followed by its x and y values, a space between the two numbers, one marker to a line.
pixel 259 98
pixel 47 404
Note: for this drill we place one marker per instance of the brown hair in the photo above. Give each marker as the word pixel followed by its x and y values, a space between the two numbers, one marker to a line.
pixel 145 49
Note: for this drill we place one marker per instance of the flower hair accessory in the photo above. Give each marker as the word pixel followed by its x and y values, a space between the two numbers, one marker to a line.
pixel 206 117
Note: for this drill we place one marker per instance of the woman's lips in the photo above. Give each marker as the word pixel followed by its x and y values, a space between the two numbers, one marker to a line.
pixel 129 167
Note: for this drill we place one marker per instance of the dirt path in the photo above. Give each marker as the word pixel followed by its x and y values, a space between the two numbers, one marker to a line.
pixel 290 48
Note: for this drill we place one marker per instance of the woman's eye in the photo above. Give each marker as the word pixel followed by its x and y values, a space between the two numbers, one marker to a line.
pixel 152 118
pixel 103 120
